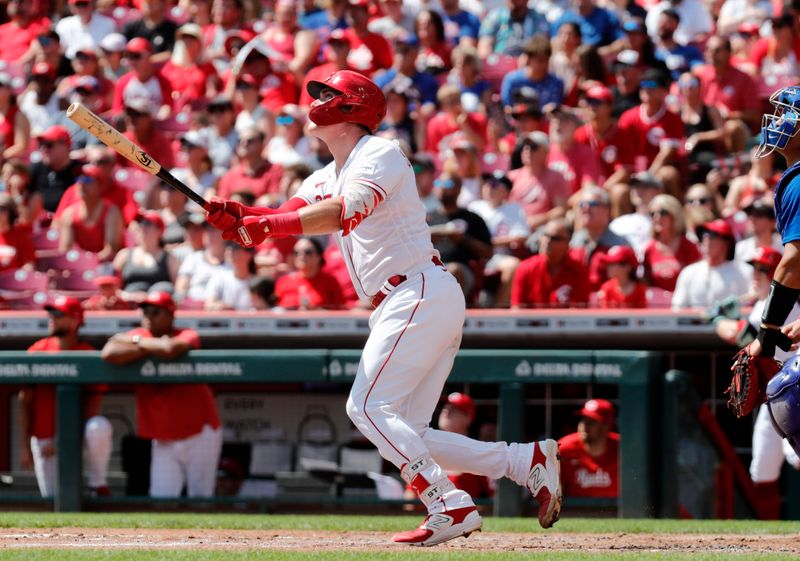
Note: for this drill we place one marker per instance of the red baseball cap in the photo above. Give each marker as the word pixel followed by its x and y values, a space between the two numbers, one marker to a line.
pixel 56 133
pixel 66 305
pixel 599 410
pixel 139 45
pixel 463 403
pixel 91 171
pixel 767 256
pixel 719 227
pixel 599 93
pixel 152 217
pixel 620 254
pixel 159 299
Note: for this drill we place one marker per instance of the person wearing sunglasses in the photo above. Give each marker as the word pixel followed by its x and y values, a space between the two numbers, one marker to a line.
pixel 181 419
pixel 593 236
pixel 85 28
pixel 102 158
pixel 57 170
pixel 37 412
pixel 716 276
pixel 653 134
pixel 143 81
pixel 142 129
pixel 542 191
pixel 308 287
pixel 92 223
pixel 669 250
pixel 760 230
pixel 769 449
pixel 289 146
pixel 252 172
pixel 552 278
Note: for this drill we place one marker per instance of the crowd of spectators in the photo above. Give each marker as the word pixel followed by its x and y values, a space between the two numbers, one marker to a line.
pixel 569 153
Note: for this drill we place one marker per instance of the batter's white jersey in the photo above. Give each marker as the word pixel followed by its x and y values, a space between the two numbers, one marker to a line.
pixel 394 238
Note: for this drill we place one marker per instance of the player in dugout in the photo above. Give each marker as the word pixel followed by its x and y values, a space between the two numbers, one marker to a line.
pixel 367 197
pixel 37 419
pixel 590 456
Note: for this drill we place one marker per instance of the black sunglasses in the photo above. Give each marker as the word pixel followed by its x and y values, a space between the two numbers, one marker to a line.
pixel 700 201
pixel 133 56
pixel 762 269
pixel 304 252
pixel 219 108
pixel 56 313
pixel 151 310
pixel 555 238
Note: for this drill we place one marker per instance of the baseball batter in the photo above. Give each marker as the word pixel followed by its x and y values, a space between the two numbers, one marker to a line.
pixel 368 197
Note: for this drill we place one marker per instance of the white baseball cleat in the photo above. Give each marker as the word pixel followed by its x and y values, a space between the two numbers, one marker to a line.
pixel 441 527
pixel 544 481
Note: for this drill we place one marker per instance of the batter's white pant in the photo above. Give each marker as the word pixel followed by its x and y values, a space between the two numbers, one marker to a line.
pixel 769 450
pixel 415 335
pixel 97 436
pixel 192 462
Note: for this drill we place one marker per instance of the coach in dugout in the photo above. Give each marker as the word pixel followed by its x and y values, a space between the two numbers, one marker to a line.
pixel 181 419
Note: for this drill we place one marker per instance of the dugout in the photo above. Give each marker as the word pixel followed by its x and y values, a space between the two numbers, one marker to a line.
pixel 510 370
pixel 662 339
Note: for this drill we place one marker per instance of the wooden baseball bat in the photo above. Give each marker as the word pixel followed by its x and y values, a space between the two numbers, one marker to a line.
pixel 112 138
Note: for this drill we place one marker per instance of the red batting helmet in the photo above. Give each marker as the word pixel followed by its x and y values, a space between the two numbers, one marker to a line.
pixel 360 101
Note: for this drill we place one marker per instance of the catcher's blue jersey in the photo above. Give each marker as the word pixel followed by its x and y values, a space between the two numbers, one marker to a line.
pixel 787 205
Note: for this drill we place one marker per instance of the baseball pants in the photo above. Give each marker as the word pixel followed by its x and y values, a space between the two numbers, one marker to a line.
pixel 192 462
pixel 415 335
pixel 97 436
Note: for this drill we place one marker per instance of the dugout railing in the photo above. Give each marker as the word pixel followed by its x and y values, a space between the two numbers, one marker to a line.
pixel 634 373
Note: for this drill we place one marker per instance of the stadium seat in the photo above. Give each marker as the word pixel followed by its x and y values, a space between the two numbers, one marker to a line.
pixel 45 239
pixel 23 281
pixel 191 304
pixel 72 260
pixel 658 297
pixel 76 280
pixel 496 67
pixel 134 179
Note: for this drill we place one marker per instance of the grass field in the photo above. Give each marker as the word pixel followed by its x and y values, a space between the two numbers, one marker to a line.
pixel 526 533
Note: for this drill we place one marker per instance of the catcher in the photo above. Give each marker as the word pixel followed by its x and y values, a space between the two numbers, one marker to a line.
pixel 755 366
pixel 769 451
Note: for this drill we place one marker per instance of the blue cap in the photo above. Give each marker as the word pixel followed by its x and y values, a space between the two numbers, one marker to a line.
pixel 407 39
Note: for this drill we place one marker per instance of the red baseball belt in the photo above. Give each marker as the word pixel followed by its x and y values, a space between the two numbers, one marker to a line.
pixel 393 282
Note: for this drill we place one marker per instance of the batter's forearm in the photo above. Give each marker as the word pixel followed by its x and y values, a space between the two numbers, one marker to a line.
pixel 323 217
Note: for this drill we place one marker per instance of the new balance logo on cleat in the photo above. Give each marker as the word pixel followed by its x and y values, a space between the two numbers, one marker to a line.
pixel 441 527
pixel 544 481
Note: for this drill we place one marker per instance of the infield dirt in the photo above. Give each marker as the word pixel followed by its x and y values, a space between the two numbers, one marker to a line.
pixel 298 540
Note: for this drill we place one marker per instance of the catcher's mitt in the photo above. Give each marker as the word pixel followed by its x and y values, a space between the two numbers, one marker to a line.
pixel 750 377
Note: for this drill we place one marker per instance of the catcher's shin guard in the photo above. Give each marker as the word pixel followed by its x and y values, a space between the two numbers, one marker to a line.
pixel 783 402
